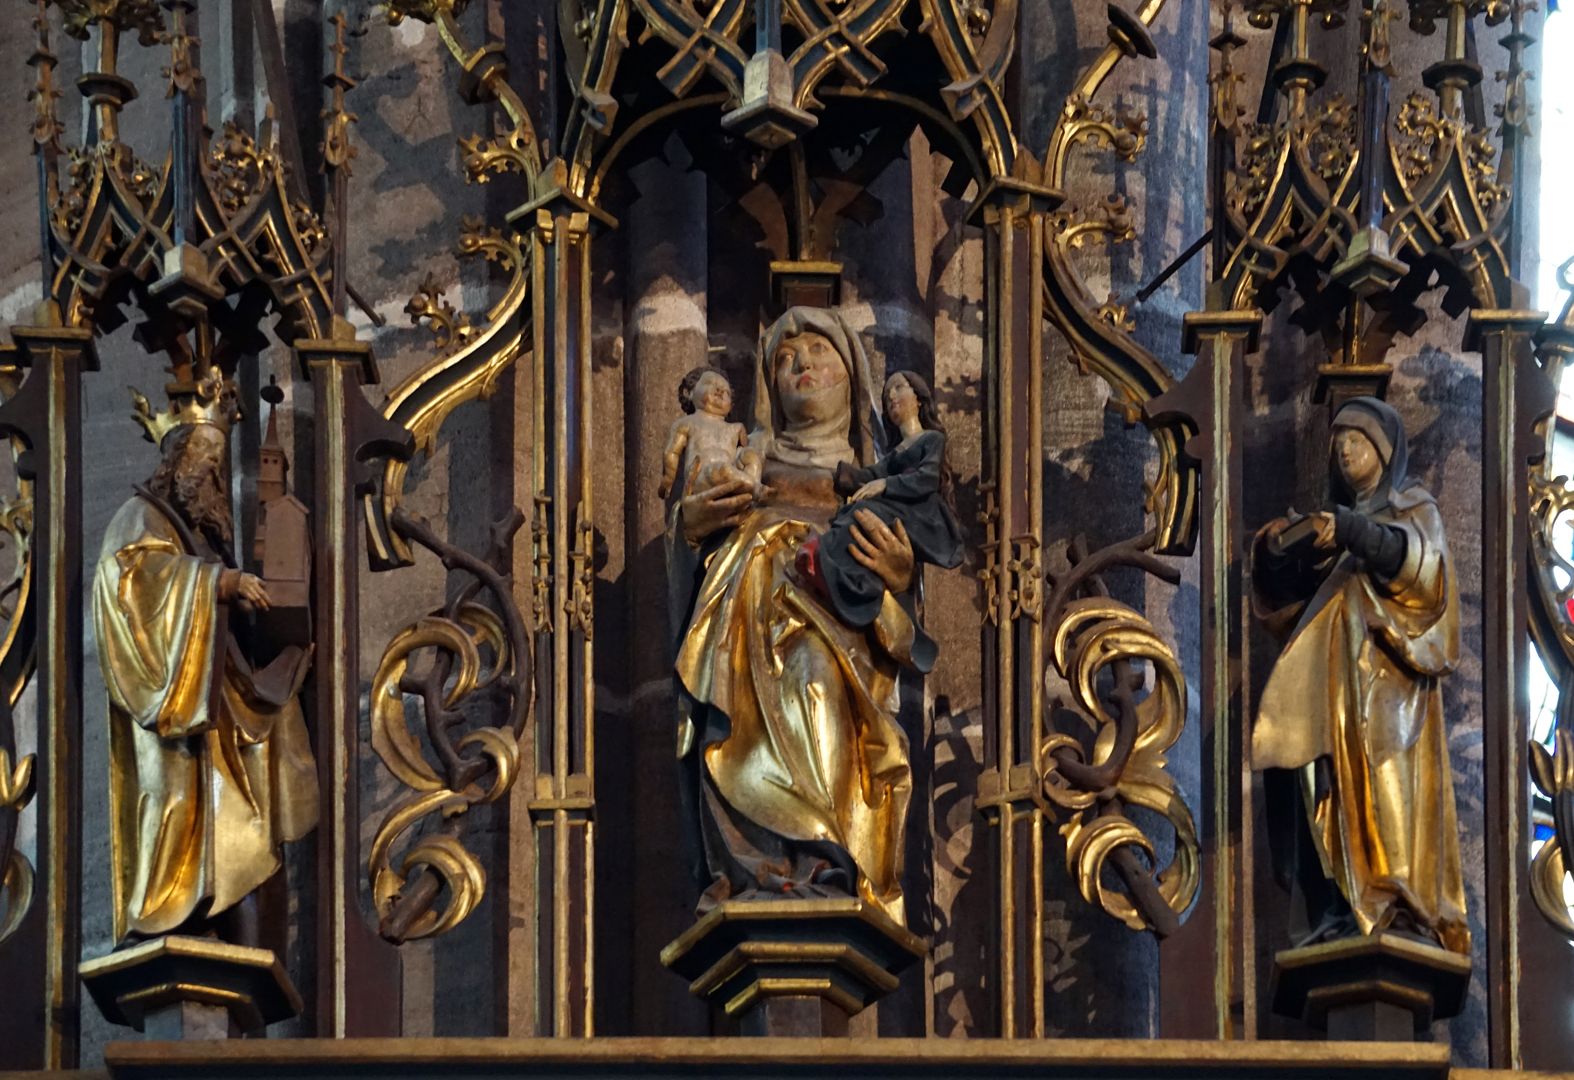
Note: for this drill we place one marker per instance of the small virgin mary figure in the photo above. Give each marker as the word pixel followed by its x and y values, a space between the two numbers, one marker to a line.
pixel 796 767
pixel 1355 701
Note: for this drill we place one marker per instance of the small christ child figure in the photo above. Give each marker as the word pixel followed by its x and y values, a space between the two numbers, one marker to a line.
pixel 909 490
pixel 702 443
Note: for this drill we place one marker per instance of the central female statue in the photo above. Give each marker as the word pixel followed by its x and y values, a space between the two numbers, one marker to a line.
pixel 796 767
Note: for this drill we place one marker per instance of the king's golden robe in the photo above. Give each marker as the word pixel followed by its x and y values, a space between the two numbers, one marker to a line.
pixel 1358 684
pixel 207 778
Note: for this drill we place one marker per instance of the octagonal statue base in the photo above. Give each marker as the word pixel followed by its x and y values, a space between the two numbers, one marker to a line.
pixel 793 967
pixel 180 987
pixel 1383 986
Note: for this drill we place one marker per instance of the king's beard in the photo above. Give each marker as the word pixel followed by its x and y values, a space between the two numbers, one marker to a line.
pixel 198 495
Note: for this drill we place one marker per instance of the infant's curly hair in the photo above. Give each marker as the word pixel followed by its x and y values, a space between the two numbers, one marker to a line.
pixel 691 380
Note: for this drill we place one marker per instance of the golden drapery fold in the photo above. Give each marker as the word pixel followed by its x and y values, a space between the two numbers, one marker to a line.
pixel 811 751
pixel 1358 685
pixel 206 778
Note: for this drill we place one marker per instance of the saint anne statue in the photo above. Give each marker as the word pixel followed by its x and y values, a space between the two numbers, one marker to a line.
pixel 797 769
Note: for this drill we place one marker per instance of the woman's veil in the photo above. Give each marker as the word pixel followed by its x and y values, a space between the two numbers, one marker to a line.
pixel 864 434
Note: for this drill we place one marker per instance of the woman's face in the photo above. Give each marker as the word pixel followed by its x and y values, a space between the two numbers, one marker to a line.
pixel 808 367
pixel 901 401
pixel 1358 461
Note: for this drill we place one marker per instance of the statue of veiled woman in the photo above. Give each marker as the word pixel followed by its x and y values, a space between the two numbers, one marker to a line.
pixel 1355 700
pixel 794 761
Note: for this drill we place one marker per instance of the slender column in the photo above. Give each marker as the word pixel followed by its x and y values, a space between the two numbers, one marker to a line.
pixel 562 808
pixel 1511 395
pixel 1013 215
pixel 358 974
pixel 1546 990
pixel 1214 940
pixel 41 1028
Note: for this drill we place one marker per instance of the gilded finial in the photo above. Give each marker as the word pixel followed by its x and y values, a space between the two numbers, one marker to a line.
pixel 46 126
pixel 337 150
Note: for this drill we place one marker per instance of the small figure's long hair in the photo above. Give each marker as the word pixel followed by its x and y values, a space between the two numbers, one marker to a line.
pixel 928 419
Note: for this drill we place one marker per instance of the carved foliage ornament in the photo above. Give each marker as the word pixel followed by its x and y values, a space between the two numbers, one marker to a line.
pixel 1426 139
pixel 141 16
pixel 18 644
pixel 1551 593
pixel 1324 138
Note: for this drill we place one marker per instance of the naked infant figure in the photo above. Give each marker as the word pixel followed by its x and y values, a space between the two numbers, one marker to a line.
pixel 702 443
pixel 909 490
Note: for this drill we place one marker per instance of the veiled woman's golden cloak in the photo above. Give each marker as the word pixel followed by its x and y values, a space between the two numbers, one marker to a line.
pixel 206 778
pixel 1358 684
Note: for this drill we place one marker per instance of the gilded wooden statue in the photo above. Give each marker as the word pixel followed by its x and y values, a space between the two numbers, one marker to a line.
pixel 211 769
pixel 796 616
pixel 1366 589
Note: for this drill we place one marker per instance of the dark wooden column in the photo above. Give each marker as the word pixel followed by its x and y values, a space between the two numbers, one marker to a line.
pixel 1013 215
pixel 358 974
pixel 562 804
pixel 40 1025
pixel 1203 966
pixel 1530 987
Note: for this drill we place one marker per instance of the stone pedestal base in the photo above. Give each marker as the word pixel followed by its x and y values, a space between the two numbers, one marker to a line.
pixel 793 967
pixel 1381 987
pixel 178 987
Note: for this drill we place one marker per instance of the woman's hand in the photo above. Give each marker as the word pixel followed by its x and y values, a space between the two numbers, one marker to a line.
pixel 884 550
pixel 869 490
pixel 1324 540
pixel 718 507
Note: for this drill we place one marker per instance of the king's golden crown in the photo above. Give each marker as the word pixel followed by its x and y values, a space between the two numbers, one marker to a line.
pixel 209 398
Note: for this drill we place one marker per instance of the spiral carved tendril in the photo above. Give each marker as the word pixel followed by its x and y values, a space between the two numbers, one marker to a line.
pixel 1094 637
pixel 466 652
pixel 16 873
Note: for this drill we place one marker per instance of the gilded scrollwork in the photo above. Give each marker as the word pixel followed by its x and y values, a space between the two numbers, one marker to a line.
pixel 450 327
pixel 469 360
pixel 470 354
pixel 476 647
pixel 1098 645
pixel 1097 330
pixel 18 644
pixel 1551 591
pixel 1553 774
pixel 16 872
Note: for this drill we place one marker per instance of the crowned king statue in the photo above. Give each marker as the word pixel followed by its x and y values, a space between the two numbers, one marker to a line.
pixel 210 766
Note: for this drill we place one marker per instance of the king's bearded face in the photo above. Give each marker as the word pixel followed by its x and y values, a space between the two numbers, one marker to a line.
pixel 196 483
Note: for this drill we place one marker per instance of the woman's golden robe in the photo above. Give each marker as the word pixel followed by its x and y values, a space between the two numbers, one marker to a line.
pixel 207 779
pixel 1358 684
pixel 811 750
